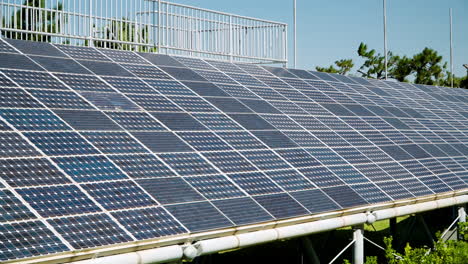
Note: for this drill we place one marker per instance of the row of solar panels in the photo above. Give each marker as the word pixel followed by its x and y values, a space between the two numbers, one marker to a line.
pixel 102 147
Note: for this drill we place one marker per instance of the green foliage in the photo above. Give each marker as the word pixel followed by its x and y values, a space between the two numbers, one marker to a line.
pixel 36 19
pixel 344 67
pixel 427 67
pixel 123 31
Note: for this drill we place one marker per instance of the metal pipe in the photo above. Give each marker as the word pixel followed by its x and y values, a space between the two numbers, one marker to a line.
pixel 451 48
pixel 358 249
pixel 385 37
pixel 295 33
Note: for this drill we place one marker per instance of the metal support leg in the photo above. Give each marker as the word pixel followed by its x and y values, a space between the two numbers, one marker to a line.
pixel 461 219
pixel 426 228
pixel 358 253
pixel 309 251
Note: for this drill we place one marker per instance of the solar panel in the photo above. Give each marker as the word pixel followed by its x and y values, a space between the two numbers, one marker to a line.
pixel 109 147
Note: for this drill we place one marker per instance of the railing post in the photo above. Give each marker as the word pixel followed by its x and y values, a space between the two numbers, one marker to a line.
pixel 1 21
pixel 91 27
pixel 159 26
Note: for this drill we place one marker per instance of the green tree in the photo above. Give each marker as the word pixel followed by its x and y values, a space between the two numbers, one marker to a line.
pixel 343 67
pixel 124 31
pixel 401 69
pixel 428 68
pixel 34 18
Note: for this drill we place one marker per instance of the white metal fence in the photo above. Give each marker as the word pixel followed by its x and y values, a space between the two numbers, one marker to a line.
pixel 146 25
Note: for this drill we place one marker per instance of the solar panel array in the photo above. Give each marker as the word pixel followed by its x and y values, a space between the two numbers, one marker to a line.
pixel 101 147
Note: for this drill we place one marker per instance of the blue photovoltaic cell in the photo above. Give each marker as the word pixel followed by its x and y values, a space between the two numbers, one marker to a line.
pixel 188 164
pixel 135 121
pixel 105 68
pixel 345 196
pixel 154 103
pixel 204 141
pixel 298 158
pixel 119 195
pixel 265 159
pixel 214 186
pixel 205 89
pixel 142 166
pixel 218 122
pixel 60 65
pixel 179 121
pixel 13 145
pixel 110 101
pixel 193 104
pixel 61 143
pixel 12 209
pixel 35 48
pixel 162 141
pixel 255 183
pixel 183 74
pixel 87 120
pixel 28 239
pixel 229 105
pixel 251 121
pixel 149 223
pixel 281 205
pixel 290 180
pixel 114 142
pixel 58 200
pixel 229 161
pixel 29 120
pixel 201 216
pixel 321 176
pixel 89 230
pixel 89 168
pixel 275 139
pixel 60 99
pixel 84 82
pixel 241 140
pixel 31 172
pixel 27 79
pixel 170 190
pixel 243 211
pixel 17 61
pixel 129 85
pixel 315 201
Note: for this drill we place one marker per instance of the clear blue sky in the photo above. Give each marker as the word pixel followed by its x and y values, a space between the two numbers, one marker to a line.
pixel 329 30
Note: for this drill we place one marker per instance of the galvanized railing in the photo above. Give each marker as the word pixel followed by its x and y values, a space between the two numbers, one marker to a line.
pixel 148 26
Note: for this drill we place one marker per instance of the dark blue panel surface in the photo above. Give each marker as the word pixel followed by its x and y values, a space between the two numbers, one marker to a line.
pixel 315 201
pixel 179 121
pixel 87 120
pixel 17 61
pixel 243 211
pixel 281 205
pixel 199 217
pixel 251 121
pixel 28 239
pixel 170 190
pixel 60 65
pixel 275 139
pixel 345 196
pixel 105 68
pixel 162 141
pixel 31 172
pixel 89 168
pixel 90 231
pixel 149 223
pixel 58 200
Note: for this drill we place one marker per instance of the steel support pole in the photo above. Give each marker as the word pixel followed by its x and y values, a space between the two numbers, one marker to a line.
pixel 461 219
pixel 295 33
pixel 308 247
pixel 385 37
pixel 358 249
pixel 451 48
